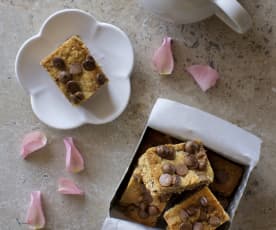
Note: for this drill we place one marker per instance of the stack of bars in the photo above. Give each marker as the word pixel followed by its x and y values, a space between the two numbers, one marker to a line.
pixel 169 169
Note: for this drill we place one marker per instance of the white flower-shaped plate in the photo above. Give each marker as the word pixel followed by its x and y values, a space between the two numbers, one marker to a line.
pixel 108 44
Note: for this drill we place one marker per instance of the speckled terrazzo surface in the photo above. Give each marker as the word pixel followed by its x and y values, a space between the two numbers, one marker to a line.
pixel 245 95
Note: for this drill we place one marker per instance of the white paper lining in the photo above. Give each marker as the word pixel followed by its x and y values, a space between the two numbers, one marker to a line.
pixel 185 122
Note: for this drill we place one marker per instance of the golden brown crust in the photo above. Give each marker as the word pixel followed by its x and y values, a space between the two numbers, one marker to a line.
pixel 151 165
pixel 173 216
pixel 73 51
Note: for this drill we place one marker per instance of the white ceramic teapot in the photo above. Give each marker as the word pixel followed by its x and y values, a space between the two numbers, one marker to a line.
pixel 189 11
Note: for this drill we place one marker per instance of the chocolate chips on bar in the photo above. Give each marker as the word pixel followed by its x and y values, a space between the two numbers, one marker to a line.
pixel 77 97
pixel 191 162
pixel 183 215
pixel 200 212
pixel 74 90
pixel 192 210
pixel 165 180
pixel 175 180
pixel 89 64
pixel 203 201
pixel 186 226
pixel 198 226
pixel 145 207
pixel 59 63
pixel 153 210
pixel 100 79
pixel 214 221
pixel 165 152
pixel 168 168
pixel 64 77
pixel 73 87
pixel 192 147
pixel 181 170
pixel 143 214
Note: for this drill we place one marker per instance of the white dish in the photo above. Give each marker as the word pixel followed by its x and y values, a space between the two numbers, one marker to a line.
pixel 108 44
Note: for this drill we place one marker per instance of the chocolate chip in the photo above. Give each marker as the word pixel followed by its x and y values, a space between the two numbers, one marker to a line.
pixel 153 210
pixel 59 63
pixel 197 226
pixel 143 214
pixel 214 221
pixel 168 168
pixel 142 206
pixel 192 210
pixel 165 152
pixel 183 215
pixel 202 216
pixel 90 58
pixel 201 155
pixel 75 68
pixel 100 78
pixel 176 180
pixel 202 164
pixel 186 226
pixel 64 77
pixel 77 97
pixel 165 180
pixel 203 201
pixel 181 170
pixel 73 86
pixel 221 177
pixel 191 147
pixel 191 162
pixel 147 197
pixel 89 64
pixel 143 187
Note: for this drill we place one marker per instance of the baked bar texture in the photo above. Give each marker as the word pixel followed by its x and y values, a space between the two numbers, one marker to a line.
pixel 74 70
pixel 201 211
pixel 171 168
pixel 138 204
pixel 227 175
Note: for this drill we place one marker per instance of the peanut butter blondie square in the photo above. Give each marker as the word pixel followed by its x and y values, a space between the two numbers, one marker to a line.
pixel 138 204
pixel 74 70
pixel 201 211
pixel 175 168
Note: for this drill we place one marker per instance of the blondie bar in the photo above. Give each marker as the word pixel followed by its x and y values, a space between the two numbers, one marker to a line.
pixel 74 70
pixel 171 168
pixel 138 204
pixel 201 211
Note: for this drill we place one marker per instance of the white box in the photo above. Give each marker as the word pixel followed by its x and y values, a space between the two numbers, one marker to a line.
pixel 184 122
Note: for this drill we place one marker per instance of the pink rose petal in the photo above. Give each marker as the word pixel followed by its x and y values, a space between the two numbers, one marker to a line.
pixel 68 187
pixel 204 75
pixel 163 58
pixel 35 216
pixel 32 142
pixel 74 160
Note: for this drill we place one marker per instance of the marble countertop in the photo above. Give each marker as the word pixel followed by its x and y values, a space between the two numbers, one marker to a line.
pixel 245 95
